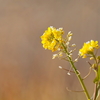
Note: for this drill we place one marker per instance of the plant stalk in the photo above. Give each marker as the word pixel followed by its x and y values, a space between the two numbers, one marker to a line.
pixel 77 74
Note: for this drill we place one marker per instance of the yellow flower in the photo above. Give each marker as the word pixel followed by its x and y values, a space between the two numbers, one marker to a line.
pixel 52 38
pixel 88 48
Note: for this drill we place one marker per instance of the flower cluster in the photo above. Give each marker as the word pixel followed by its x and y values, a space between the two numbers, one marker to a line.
pixel 88 48
pixel 52 38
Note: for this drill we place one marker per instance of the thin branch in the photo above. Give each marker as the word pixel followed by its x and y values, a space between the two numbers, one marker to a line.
pixel 65 59
pixel 89 63
pixel 73 90
pixel 67 70
pixel 87 74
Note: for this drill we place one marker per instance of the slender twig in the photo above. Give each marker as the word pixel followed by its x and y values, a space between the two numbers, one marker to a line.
pixel 65 59
pixel 90 64
pixel 87 74
pixel 68 70
pixel 73 90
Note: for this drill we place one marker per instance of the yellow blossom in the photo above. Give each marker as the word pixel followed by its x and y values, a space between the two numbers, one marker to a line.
pixel 52 38
pixel 88 48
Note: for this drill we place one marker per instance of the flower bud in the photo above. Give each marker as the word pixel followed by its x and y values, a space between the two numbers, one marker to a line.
pixel 54 56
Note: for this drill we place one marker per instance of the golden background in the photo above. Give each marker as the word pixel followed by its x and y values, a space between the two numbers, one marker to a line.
pixel 27 71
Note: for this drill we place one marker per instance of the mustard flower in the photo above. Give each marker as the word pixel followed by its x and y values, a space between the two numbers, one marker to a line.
pixel 88 48
pixel 52 38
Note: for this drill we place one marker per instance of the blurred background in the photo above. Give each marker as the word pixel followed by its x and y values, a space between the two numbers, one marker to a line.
pixel 27 71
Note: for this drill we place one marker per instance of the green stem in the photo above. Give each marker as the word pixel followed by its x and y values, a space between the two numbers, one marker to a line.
pixel 95 92
pixel 77 74
pixel 96 84
pixel 95 59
